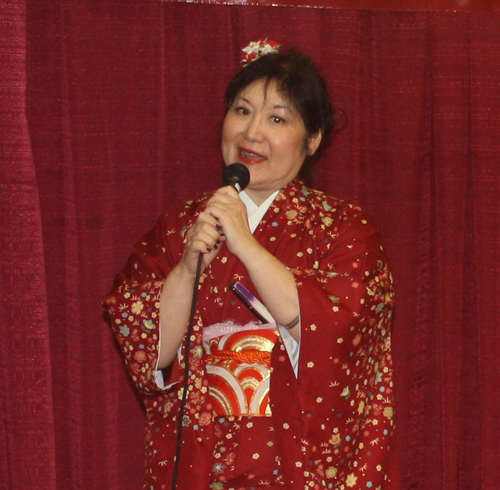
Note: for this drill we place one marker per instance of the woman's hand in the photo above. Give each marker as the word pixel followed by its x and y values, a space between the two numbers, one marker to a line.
pixel 203 237
pixel 231 220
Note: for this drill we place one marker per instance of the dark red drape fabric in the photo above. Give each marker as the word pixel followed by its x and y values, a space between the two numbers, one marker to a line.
pixel 111 112
pixel 26 408
pixel 396 5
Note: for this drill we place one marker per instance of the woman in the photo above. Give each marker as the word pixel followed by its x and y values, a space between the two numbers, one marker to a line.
pixel 302 398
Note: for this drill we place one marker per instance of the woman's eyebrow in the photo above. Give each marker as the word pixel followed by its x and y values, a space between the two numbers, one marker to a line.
pixel 275 106
pixel 243 99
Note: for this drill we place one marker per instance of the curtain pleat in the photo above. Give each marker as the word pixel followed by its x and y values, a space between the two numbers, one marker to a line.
pixel 111 112
pixel 27 425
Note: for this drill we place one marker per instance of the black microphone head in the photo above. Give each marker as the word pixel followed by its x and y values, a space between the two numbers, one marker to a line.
pixel 237 176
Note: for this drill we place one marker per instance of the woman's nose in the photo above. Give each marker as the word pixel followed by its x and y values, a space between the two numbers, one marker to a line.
pixel 254 129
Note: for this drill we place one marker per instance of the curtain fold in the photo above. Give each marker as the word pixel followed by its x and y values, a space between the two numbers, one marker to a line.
pixel 111 112
pixel 27 424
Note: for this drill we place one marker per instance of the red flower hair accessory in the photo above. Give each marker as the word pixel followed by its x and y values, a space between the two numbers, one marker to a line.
pixel 257 49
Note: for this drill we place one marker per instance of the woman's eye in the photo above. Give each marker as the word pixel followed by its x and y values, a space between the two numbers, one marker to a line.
pixel 242 110
pixel 277 120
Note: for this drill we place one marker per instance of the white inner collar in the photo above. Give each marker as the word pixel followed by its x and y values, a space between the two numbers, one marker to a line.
pixel 256 213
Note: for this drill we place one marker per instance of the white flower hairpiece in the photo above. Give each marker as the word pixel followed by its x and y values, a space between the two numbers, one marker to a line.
pixel 257 49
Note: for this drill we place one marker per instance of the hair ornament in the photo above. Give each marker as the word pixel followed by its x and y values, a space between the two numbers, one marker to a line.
pixel 257 49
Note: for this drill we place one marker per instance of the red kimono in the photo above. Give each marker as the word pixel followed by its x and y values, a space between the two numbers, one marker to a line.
pixel 332 425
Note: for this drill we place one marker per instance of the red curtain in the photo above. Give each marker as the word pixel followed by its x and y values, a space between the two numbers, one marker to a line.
pixel 110 113
pixel 27 443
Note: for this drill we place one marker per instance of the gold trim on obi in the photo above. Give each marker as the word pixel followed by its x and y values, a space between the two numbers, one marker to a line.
pixel 238 368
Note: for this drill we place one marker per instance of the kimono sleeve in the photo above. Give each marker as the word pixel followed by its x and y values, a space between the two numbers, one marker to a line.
pixel 134 301
pixel 345 371
pixel 349 283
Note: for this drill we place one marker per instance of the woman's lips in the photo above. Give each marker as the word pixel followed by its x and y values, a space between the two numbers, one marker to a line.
pixel 250 157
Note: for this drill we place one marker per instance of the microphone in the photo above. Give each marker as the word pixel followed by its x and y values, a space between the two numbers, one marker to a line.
pixel 237 176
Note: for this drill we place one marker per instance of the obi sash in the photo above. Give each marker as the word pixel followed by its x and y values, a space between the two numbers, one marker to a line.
pixel 238 360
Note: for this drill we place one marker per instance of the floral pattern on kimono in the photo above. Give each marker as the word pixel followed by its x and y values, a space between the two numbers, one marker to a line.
pixel 332 426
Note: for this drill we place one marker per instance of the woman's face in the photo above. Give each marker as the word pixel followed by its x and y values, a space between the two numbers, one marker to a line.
pixel 265 133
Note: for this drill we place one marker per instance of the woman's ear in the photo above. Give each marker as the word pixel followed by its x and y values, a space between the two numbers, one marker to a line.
pixel 313 143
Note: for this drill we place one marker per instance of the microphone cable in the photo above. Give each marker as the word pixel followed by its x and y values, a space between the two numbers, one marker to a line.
pixel 237 176
pixel 186 373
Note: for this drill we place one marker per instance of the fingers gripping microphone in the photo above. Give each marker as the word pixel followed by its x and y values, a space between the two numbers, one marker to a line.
pixel 237 176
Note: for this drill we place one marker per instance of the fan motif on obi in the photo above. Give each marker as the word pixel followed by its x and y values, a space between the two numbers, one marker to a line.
pixel 238 368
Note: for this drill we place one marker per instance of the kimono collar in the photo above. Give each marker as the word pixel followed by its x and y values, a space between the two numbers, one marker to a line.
pixel 256 213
